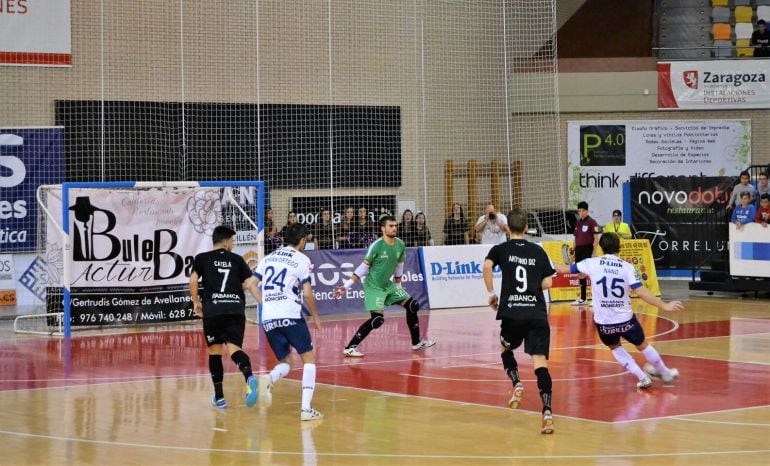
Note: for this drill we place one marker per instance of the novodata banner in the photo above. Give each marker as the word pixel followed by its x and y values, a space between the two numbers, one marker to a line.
pixel 602 155
pixel 133 251
pixel 749 250
pixel 35 32
pixel 684 218
pixel 713 84
pixel 566 287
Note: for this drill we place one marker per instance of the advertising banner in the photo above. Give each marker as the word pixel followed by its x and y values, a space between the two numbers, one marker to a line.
pixel 331 267
pixel 35 32
pixel 566 287
pixel 7 282
pixel 602 155
pixel 713 85
pixel 683 217
pixel 28 158
pixel 749 251
pixel 453 275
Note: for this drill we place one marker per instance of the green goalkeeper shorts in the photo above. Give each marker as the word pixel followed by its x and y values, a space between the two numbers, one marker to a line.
pixel 375 299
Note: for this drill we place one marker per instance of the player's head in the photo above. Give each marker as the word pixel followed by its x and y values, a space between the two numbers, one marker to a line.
pixel 223 237
pixel 517 221
pixel 296 235
pixel 610 243
pixel 745 198
pixel 388 226
pixel 764 201
pixel 745 177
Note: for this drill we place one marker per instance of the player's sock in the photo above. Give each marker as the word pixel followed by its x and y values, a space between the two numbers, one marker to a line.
pixel 243 362
pixel 413 322
pixel 544 385
pixel 217 374
pixel 625 360
pixel 375 321
pixel 281 370
pixel 511 366
pixel 654 358
pixel 583 285
pixel 308 385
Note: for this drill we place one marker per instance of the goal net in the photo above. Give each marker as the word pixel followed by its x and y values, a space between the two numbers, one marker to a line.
pixel 344 108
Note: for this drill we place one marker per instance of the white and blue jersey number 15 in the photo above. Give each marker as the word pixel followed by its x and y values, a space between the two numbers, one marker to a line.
pixel 274 280
pixel 617 287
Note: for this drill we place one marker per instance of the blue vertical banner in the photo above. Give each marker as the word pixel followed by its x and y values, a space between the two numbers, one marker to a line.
pixel 28 158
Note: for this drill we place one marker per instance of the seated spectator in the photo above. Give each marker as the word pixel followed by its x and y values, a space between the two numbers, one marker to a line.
pixel 364 229
pixel 760 39
pixel 618 226
pixel 345 230
pixel 323 234
pixel 272 239
pixel 762 186
pixel 291 219
pixel 738 189
pixel 456 227
pixel 763 213
pixel 406 228
pixel 421 231
pixel 744 213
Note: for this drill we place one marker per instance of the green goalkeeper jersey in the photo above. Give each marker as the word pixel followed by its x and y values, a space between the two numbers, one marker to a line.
pixel 382 260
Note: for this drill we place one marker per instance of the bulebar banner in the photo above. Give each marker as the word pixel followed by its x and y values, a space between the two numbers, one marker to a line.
pixel 713 85
pixel 133 251
pixel 566 287
pixel 35 32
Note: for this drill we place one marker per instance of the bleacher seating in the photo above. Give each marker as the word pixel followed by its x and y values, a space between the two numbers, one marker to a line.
pixel 743 14
pixel 763 12
pixel 735 21
pixel 719 3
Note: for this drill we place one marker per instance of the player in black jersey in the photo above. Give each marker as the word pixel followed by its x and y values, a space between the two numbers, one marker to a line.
pixel 522 311
pixel 221 303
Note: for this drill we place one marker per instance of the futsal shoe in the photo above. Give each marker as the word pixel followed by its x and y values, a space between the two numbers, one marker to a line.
pixel 423 344
pixel 251 391
pixel 352 352
pixel 579 302
pixel 218 403
pixel 547 426
pixel 644 384
pixel 310 415
pixel 266 390
pixel 518 391
pixel 672 375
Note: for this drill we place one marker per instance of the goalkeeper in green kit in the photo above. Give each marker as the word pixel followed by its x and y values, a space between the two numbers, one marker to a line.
pixel 384 258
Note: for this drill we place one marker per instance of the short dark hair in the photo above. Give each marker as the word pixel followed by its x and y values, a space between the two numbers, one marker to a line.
pixel 617 212
pixel 764 196
pixel 294 234
pixel 386 218
pixel 745 194
pixel 745 172
pixel 222 233
pixel 517 220
pixel 763 174
pixel 610 243
pixel 583 205
pixel 761 21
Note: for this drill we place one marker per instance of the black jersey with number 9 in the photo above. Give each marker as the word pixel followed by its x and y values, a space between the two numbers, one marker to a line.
pixel 222 274
pixel 524 266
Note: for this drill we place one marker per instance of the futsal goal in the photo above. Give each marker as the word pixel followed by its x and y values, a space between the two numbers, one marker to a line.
pixel 121 253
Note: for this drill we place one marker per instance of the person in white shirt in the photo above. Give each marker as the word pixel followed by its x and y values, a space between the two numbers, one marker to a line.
pixel 612 280
pixel 492 226
pixel 280 276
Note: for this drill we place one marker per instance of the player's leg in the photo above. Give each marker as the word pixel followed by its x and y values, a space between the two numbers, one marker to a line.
pixel 510 339
pixel 374 302
pixel 610 336
pixel 655 367
pixel 398 295
pixel 301 341
pixel 537 343
pixel 279 344
pixel 214 343
pixel 235 327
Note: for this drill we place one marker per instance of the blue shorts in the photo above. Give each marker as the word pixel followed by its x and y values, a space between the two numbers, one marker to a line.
pixel 283 334
pixel 631 331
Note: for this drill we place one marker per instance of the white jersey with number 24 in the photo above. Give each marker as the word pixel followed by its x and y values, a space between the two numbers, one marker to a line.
pixel 282 275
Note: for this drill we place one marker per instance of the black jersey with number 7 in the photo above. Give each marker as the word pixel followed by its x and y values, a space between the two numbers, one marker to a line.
pixel 222 275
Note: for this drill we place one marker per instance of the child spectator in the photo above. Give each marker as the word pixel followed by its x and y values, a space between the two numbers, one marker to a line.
pixel 763 213
pixel 745 213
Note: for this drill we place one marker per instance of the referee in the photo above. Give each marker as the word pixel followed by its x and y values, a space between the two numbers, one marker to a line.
pixel 586 239
pixel 222 304
pixel 521 309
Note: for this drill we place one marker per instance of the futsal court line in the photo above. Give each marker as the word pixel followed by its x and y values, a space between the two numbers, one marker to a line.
pixel 705 421
pixel 681 416
pixel 380 455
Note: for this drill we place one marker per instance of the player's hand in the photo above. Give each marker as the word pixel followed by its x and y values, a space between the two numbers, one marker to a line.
pixel 673 306
pixel 317 322
pixel 492 301
pixel 339 292
pixel 198 309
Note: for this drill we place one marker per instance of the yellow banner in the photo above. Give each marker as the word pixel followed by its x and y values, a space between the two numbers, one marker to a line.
pixel 636 252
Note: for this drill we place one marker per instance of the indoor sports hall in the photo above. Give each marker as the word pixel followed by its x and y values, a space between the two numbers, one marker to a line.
pixel 129 130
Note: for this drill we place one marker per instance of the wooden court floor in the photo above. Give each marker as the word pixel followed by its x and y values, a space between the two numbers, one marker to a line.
pixel 142 397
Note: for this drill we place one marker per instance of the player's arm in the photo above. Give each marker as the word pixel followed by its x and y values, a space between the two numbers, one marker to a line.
pixel 398 273
pixel 307 290
pixel 358 274
pixel 650 298
pixel 486 271
pixel 197 308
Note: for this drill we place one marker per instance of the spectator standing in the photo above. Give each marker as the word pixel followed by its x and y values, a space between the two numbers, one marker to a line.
pixel 364 229
pixel 760 40
pixel 421 232
pixel 763 213
pixel 492 226
pixel 272 241
pixel 586 239
pixel 744 213
pixel 456 227
pixel 323 234
pixel 618 226
pixel 762 186
pixel 291 219
pixel 406 228
pixel 741 187
pixel 345 230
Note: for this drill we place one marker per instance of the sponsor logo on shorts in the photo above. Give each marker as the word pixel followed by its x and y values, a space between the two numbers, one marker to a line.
pixel 616 329
pixel 278 323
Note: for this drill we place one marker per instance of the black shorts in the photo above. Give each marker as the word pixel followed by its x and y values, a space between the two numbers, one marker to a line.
pixel 536 334
pixel 583 252
pixel 631 331
pixel 226 328
pixel 283 334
